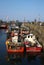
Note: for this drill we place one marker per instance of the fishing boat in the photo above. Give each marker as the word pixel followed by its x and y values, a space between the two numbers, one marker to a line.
pixel 12 44
pixel 32 45
pixel 11 48
pixel 3 26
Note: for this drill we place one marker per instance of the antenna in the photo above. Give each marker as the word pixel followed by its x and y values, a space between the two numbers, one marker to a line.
pixel 7 18
pixel 24 19
pixel 39 18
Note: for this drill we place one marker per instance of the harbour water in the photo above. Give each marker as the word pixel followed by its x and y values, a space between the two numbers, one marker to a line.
pixel 19 59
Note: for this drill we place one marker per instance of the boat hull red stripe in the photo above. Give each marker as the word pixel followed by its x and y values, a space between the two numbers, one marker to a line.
pixel 33 49
pixel 16 50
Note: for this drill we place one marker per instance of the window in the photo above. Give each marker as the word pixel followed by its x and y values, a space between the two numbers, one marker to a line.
pixel 28 36
pixel 31 36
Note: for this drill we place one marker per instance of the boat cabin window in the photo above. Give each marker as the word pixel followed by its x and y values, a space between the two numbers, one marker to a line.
pixel 30 36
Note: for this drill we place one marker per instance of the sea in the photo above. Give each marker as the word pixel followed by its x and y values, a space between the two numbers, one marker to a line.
pixel 17 58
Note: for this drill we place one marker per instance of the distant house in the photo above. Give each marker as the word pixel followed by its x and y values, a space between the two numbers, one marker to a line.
pixel 42 24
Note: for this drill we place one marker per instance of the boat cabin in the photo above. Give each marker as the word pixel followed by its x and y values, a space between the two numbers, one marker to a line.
pixel 30 38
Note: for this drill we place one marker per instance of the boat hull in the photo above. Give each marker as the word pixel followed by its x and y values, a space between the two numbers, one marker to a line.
pixel 21 50
pixel 33 49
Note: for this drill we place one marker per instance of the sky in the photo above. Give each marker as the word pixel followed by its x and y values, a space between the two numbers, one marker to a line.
pixel 22 9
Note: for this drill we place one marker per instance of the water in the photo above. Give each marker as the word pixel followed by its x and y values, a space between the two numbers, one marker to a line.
pixel 18 59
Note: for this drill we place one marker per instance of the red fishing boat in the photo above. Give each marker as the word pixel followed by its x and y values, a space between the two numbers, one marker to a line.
pixel 3 26
pixel 32 49
pixel 32 45
pixel 11 48
pixel 12 44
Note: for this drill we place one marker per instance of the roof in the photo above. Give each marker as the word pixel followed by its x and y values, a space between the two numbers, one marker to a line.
pixel 30 34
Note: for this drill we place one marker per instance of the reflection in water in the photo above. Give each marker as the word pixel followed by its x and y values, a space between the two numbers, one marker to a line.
pixel 17 58
pixel 42 59
pixel 30 58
